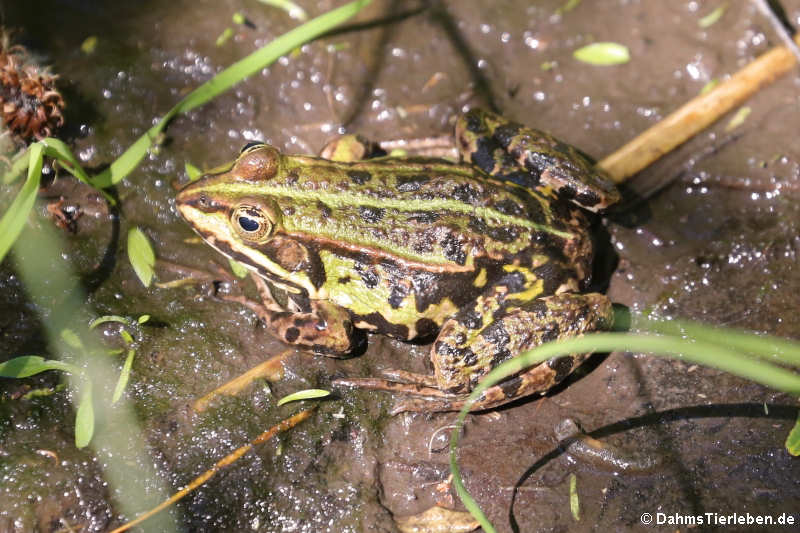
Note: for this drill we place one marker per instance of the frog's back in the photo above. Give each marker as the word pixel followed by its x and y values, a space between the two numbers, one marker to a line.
pixel 424 212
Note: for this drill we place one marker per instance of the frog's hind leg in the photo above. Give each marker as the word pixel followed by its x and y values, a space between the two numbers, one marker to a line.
pixel 532 158
pixel 462 357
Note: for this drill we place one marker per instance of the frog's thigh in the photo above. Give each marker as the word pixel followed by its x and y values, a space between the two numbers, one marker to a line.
pixel 461 357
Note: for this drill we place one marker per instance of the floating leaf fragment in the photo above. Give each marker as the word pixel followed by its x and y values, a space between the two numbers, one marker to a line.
pixel 192 171
pixel 141 255
pixel 567 7
pixel 574 502
pixel 84 417
pixel 603 54
pixel 307 394
pixel 225 36
pixel 238 18
pixel 793 440
pixel 89 45
pixel 708 87
pixel 713 17
pixel 738 118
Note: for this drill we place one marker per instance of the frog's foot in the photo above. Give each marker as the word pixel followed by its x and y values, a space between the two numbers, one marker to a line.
pixel 532 158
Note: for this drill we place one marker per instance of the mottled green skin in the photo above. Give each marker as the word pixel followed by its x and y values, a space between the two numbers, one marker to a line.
pixel 405 247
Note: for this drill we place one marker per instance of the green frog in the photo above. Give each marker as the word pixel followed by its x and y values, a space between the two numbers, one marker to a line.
pixel 489 255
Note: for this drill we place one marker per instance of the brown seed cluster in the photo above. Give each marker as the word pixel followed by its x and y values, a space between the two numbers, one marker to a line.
pixel 30 103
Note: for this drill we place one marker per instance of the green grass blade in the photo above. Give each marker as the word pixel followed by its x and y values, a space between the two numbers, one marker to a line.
pixel 124 376
pixel 223 81
pixel 30 365
pixel 763 346
pixel 18 165
pixel 697 351
pixel 17 214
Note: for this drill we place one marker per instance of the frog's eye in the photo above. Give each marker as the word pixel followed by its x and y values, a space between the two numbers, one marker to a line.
pixel 251 144
pixel 252 223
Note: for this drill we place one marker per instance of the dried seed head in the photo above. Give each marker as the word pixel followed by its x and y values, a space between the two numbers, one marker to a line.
pixel 30 104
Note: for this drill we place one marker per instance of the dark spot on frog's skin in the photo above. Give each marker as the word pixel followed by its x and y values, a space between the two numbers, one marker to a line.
pixel 504 234
pixel 567 192
pixel 510 387
pixel 422 246
pixel 397 295
pixel 292 177
pixel 291 335
pixel 587 198
pixel 496 334
pixel 452 249
pixel 423 217
pixel 509 207
pixel 371 214
pixel 537 308
pixel 551 274
pixel 514 281
pixel 425 327
pixel 506 134
pixel 552 332
pixel 501 357
pixel 345 280
pixel 474 122
pixel 477 225
pixel 324 210
pixel 359 177
pixel 483 157
pixel 470 319
pixel 288 211
pixel 411 183
pixel 562 367
pixel 465 193
pixel 470 357
pixel 368 275
pixel 524 178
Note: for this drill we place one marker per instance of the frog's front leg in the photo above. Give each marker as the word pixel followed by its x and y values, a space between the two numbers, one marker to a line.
pixel 466 350
pixel 317 325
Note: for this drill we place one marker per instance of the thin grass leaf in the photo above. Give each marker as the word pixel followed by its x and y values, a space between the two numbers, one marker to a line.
pixel 124 376
pixel 603 54
pixel 237 268
pixel 713 17
pixel 84 417
pixel 711 85
pixel 696 351
pixel 141 255
pixel 71 339
pixel 109 318
pixel 18 165
pixel 30 365
pixel 223 81
pixel 14 218
pixel 292 9
pixel 225 36
pixel 793 440
pixel 765 347
pixel 307 394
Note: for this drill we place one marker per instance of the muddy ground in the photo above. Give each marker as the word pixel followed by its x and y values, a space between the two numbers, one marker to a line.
pixel 712 235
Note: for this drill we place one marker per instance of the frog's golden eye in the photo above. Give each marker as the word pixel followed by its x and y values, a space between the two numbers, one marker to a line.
pixel 252 223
